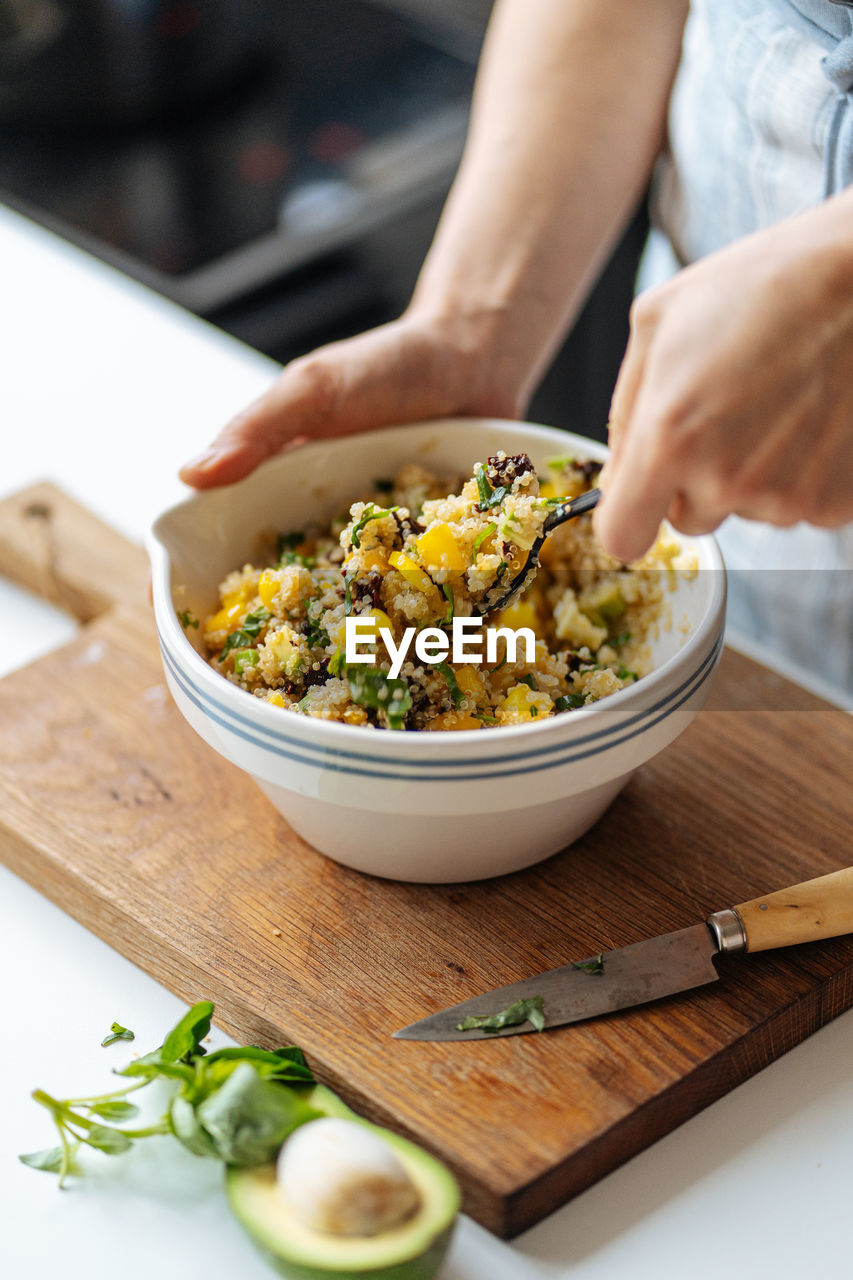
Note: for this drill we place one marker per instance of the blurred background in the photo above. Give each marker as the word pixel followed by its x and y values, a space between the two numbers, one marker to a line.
pixel 276 166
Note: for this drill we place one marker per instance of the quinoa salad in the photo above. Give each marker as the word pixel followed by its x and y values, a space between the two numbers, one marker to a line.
pixel 411 554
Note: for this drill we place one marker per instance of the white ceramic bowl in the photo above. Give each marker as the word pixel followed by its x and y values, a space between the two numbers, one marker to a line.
pixel 431 807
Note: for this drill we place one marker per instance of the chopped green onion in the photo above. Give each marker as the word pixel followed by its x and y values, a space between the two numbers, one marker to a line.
pixel 244 658
pixel 480 539
pixel 448 595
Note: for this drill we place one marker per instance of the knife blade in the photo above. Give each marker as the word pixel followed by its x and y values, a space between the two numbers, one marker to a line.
pixel 657 967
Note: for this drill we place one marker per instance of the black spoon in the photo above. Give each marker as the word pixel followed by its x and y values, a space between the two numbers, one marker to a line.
pixel 498 596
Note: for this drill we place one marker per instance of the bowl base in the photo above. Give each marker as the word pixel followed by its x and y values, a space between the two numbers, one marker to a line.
pixel 438 848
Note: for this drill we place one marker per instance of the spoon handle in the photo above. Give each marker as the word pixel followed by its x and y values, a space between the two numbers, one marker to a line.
pixel 568 510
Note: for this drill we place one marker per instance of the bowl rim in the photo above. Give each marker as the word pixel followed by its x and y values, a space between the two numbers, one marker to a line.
pixel 698 643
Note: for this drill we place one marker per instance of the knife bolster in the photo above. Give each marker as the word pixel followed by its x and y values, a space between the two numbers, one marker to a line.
pixel 729 933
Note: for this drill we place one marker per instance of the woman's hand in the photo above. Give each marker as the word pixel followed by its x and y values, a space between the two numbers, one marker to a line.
pixel 414 368
pixel 736 391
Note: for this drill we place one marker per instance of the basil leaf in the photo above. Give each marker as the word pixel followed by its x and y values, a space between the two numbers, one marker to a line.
pixel 455 692
pixel 117 1032
pixel 188 619
pixel 595 965
pixel 186 1127
pixel 111 1141
pixel 293 1054
pixel 530 681
pixel 488 497
pixel 249 1118
pixel 152 1065
pixel 531 1010
pixel 484 489
pixel 374 689
pixel 272 1063
pixel 115 1110
pixel 50 1160
pixel 184 1040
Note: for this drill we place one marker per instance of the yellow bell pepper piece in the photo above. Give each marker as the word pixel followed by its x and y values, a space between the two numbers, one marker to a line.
pixel 268 587
pixel 439 549
pixel 471 683
pixel 452 720
pixel 240 596
pixel 228 618
pixel 380 619
pixel 374 559
pixel 416 578
pixel 521 614
pixel 522 704
pixel 276 699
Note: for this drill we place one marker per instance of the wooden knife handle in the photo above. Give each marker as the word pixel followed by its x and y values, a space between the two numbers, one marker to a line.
pixel 821 908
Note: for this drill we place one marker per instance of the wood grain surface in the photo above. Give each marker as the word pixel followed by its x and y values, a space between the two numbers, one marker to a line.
pixel 112 807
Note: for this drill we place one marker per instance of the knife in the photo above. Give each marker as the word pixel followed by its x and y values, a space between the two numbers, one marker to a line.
pixel 658 967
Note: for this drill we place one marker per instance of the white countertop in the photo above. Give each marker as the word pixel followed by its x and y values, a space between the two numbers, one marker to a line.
pixel 105 389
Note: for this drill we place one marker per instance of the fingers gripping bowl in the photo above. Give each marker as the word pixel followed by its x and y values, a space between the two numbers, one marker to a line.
pixel 430 807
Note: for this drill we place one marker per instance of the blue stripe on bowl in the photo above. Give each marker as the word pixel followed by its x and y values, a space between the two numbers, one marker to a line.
pixel 335 758
pixel 278 736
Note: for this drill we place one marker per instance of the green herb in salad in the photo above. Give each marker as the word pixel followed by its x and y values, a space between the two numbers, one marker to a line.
pixel 595 965
pixel 450 676
pixel 243 659
pixel 488 496
pixel 253 624
pixel 374 689
pixel 370 513
pixel 569 701
pixel 188 619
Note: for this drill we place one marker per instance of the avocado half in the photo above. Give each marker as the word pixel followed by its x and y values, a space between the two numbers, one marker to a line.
pixel 412 1251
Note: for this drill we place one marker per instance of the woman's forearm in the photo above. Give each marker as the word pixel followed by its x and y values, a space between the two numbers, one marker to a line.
pixel 568 117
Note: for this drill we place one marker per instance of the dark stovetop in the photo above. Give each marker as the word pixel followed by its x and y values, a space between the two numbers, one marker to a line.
pixel 352 115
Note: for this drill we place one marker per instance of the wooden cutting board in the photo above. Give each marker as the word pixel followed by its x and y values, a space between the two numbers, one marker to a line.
pixel 111 806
